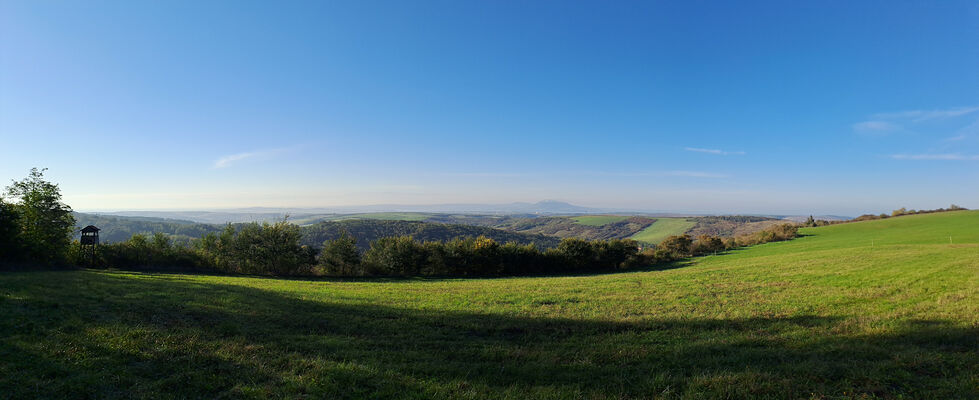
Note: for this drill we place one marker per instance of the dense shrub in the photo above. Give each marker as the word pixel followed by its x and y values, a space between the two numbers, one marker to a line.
pixel 340 256
pixel 481 256
pixel 258 249
pixel 138 253
pixel 398 255
pixel 706 244
pixel 675 247
pixel 772 234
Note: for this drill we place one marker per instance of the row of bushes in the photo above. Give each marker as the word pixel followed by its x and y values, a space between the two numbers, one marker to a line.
pixel 482 256
pixel 404 256
pixel 271 249
pixel 904 211
pixel 274 249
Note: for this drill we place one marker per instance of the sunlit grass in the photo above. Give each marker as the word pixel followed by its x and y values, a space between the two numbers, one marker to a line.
pixel 663 228
pixel 828 315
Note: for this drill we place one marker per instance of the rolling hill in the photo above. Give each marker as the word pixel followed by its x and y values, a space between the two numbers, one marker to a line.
pixel 119 229
pixel 565 227
pixel 876 309
pixel 366 230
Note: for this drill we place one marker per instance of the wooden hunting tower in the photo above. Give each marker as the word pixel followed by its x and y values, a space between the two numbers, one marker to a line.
pixel 90 235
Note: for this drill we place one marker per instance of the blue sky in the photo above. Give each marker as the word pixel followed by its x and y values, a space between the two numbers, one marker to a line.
pixel 755 107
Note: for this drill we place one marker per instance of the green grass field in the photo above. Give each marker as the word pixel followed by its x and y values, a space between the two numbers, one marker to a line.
pixel 598 220
pixel 878 309
pixel 662 228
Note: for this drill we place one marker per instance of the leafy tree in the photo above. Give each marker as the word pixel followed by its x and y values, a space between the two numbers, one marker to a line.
pixel 399 255
pixel 9 232
pixel 140 247
pixel 677 245
pixel 257 249
pixel 707 244
pixel 46 223
pixel 340 256
pixel 578 253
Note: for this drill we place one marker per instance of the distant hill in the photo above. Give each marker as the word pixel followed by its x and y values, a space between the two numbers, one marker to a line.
pixel 803 218
pixel 119 229
pixel 366 230
pixel 207 217
pixel 116 229
pixel 564 227
pixel 305 215
pixel 543 230
pixel 731 225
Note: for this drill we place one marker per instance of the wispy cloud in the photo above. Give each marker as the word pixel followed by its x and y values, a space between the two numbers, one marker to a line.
pixel 485 174
pixel 945 157
pixel 714 151
pixel 925 115
pixel 228 160
pixel 687 174
pixel 551 174
pixel 694 174
pixel 883 124
pixel 875 127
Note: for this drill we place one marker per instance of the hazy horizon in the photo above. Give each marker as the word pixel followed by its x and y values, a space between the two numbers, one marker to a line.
pixel 746 108
pixel 456 208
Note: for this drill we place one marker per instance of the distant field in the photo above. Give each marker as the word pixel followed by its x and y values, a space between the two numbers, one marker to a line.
pixel 392 216
pixel 662 228
pixel 598 220
pixel 878 309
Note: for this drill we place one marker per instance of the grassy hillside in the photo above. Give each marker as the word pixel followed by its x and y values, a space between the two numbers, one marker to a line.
pixel 827 315
pixel 598 220
pixel 662 228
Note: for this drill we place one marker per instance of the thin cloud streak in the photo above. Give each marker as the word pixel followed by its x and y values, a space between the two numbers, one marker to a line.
pixel 485 174
pixel 883 124
pixel 688 174
pixel 229 160
pixel 875 127
pixel 226 161
pixel 925 115
pixel 694 174
pixel 714 151
pixel 943 157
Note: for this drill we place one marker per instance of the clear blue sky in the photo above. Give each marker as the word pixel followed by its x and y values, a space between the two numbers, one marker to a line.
pixel 768 107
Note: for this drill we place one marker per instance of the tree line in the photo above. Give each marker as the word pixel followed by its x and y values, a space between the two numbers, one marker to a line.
pixel 365 230
pixel 276 249
pixel 481 256
pixel 36 228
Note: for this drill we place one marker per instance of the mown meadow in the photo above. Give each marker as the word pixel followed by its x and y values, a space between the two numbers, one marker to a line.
pixel 663 228
pixel 876 309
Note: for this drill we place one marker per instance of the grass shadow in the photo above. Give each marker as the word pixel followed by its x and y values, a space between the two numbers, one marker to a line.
pixel 105 336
